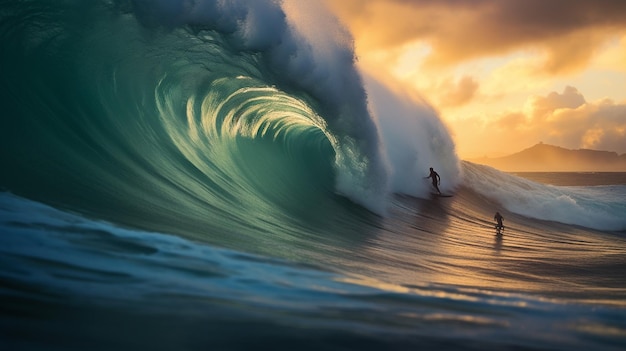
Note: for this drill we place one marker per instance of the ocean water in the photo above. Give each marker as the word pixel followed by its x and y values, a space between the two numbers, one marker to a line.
pixel 576 178
pixel 183 175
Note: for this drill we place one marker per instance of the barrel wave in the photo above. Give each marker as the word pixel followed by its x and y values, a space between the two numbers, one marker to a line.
pixel 221 174
pixel 131 109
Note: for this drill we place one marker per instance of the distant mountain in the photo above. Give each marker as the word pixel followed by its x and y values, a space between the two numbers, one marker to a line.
pixel 550 158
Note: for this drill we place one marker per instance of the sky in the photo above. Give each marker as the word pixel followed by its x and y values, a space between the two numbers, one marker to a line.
pixel 503 75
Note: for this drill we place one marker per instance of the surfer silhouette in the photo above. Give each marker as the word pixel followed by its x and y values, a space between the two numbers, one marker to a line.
pixel 498 218
pixel 436 179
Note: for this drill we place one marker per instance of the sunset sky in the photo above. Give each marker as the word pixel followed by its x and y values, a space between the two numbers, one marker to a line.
pixel 503 75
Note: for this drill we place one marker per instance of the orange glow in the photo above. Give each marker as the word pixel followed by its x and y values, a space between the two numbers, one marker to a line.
pixel 484 66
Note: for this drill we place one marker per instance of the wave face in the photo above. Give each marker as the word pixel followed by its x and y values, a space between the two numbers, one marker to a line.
pixel 179 164
pixel 139 109
pixel 146 109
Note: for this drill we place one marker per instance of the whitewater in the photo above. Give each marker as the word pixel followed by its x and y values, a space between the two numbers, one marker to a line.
pixel 221 174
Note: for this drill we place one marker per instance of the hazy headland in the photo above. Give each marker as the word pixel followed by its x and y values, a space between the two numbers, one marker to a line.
pixel 549 158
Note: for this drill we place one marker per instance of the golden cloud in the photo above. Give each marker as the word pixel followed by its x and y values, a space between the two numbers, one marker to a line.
pixel 458 93
pixel 566 119
pixel 568 31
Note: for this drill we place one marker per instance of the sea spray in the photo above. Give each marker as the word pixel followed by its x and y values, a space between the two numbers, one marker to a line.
pixel 599 207
pixel 414 139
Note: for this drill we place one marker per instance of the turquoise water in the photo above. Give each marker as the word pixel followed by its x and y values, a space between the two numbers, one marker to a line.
pixel 193 175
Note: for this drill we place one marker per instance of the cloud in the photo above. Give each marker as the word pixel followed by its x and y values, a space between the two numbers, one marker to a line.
pixel 569 32
pixel 543 107
pixel 477 61
pixel 567 120
pixel 458 93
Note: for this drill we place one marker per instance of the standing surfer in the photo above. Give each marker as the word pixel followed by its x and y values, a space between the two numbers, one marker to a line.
pixel 436 179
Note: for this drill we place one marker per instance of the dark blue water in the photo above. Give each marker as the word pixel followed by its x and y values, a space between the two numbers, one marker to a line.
pixel 196 175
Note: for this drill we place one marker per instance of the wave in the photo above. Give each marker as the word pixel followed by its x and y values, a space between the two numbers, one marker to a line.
pixel 223 120
pixel 202 165
pixel 72 281
pixel 173 105
pixel 597 207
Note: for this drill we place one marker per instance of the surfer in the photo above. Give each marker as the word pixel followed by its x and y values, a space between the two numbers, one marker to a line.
pixel 436 179
pixel 498 218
